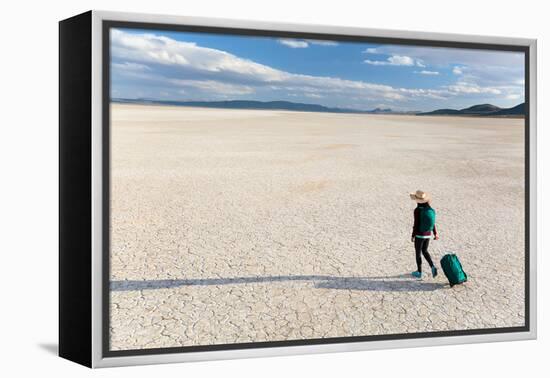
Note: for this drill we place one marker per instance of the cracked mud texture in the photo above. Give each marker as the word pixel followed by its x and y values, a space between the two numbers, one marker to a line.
pixel 235 226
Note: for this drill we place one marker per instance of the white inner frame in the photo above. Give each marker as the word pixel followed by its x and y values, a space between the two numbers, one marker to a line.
pixel 97 100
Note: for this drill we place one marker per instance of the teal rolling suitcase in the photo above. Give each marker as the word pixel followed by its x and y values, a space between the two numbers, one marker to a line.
pixel 453 269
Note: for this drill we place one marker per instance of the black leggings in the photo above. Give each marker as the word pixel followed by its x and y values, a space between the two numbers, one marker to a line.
pixel 421 246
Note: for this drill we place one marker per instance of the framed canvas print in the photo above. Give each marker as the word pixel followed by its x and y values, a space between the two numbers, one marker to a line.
pixel 234 189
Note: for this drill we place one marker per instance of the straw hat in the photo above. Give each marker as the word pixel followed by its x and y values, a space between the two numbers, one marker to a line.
pixel 420 197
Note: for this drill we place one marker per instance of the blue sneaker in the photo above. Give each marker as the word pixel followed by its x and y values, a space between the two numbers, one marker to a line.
pixel 434 271
pixel 417 274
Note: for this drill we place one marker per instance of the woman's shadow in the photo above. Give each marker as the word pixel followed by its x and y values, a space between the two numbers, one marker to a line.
pixel 402 282
pixel 395 283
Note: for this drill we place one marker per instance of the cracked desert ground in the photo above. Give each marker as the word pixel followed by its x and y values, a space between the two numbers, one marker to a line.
pixel 234 226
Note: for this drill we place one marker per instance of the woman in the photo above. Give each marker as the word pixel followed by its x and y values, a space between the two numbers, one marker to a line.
pixel 423 229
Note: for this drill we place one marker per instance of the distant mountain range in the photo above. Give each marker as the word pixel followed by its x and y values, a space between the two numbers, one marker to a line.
pixel 476 110
pixel 264 105
pixel 481 110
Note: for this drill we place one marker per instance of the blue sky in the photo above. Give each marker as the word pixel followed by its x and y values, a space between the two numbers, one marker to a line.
pixel 209 67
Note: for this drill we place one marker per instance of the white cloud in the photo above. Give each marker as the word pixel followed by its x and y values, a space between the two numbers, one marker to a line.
pixel 487 75
pixel 322 42
pixel 313 95
pixel 304 43
pixel 436 94
pixel 293 43
pixel 393 96
pixel 485 67
pixel 153 49
pixel 217 87
pixel 472 88
pixel 401 60
pixel 371 50
pixel 426 72
pixel 395 60
pixel 377 62
pixel 457 56
pixel 129 66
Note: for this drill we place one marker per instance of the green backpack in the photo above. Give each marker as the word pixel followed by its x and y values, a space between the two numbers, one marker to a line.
pixel 426 219
pixel 453 269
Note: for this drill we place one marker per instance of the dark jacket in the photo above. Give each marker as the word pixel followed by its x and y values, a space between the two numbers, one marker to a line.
pixel 419 228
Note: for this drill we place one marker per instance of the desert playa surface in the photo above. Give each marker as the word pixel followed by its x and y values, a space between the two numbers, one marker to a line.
pixel 235 226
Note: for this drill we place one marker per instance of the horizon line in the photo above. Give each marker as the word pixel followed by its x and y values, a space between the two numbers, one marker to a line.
pixel 329 109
